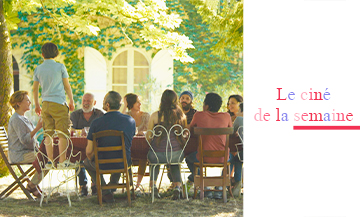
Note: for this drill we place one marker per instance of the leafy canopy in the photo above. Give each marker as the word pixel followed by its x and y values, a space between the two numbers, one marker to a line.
pixel 90 16
pixel 225 18
pixel 209 72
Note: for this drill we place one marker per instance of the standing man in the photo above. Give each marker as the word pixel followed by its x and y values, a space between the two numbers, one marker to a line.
pixel 112 120
pixel 186 99
pixel 83 118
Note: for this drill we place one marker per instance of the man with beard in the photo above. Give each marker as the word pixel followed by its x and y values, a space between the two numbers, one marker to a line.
pixel 186 99
pixel 83 118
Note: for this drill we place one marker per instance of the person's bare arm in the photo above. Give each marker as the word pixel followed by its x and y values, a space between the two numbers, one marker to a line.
pixel 68 91
pixel 36 97
pixel 89 149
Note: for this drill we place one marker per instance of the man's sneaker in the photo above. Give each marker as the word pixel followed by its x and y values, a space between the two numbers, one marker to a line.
pixel 236 190
pixel 176 193
pixel 218 194
pixel 49 165
pixel 108 198
pixel 93 190
pixel 83 191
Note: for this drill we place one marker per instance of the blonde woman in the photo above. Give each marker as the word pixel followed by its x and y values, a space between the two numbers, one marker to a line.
pixel 21 134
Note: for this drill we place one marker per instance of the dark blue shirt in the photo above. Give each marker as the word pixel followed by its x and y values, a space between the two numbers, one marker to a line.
pixel 114 121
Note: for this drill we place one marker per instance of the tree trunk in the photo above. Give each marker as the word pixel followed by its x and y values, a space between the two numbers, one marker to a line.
pixel 6 72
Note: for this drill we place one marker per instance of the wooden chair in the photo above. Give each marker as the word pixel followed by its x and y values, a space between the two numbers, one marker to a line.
pixel 178 131
pixel 126 171
pixel 24 175
pixel 202 180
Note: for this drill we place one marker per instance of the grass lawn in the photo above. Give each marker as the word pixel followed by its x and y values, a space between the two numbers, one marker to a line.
pixel 18 205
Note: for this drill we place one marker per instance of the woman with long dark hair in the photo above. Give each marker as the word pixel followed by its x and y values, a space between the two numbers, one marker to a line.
pixel 169 114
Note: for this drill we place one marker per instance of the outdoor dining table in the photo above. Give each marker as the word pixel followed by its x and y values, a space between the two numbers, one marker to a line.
pixel 139 148
pixel 79 151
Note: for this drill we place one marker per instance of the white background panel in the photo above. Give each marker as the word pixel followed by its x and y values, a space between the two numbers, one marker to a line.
pixel 297 45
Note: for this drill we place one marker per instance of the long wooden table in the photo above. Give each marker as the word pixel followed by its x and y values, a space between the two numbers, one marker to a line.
pixel 139 149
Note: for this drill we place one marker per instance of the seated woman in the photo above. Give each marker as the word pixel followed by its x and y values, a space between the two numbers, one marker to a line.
pixel 169 114
pixel 21 137
pixel 234 158
pixel 132 102
pixel 233 106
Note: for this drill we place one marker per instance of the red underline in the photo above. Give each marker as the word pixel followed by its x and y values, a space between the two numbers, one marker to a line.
pixel 326 127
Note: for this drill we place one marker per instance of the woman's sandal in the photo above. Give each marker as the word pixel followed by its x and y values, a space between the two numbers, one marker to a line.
pixel 36 191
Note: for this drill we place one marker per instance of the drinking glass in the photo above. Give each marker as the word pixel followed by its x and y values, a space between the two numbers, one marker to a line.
pixel 86 130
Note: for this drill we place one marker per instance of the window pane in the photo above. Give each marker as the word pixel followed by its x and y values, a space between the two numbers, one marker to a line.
pixel 120 89
pixel 121 59
pixel 139 59
pixel 119 76
pixel 140 75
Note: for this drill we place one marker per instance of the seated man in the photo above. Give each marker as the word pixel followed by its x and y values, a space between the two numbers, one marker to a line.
pixel 112 120
pixel 186 99
pixel 209 118
pixel 83 118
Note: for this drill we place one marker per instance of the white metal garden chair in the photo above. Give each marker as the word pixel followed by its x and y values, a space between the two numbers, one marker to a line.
pixel 64 175
pixel 178 131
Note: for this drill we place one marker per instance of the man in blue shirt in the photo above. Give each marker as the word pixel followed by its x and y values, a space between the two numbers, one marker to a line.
pixel 112 120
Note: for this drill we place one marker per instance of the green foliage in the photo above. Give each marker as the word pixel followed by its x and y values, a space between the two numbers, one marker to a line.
pixel 225 19
pixel 4 171
pixel 41 28
pixel 209 72
pixel 143 24
pixel 118 28
pixel 10 15
pixel 89 17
